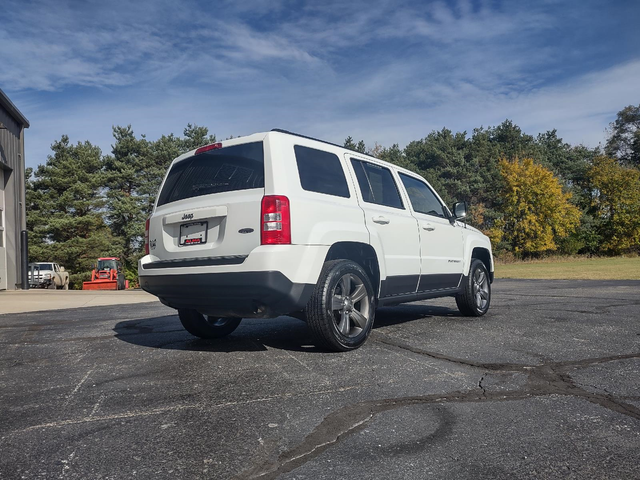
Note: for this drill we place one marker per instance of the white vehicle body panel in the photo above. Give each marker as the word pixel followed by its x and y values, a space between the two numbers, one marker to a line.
pixel 441 242
pixel 392 230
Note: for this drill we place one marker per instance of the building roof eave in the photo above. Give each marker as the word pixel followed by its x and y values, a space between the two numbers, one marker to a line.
pixel 8 105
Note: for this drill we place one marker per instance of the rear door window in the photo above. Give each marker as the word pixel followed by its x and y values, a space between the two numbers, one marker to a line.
pixel 239 167
pixel 321 172
pixel 377 184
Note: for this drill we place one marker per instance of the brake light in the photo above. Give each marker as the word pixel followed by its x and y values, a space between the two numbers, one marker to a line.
pixel 275 220
pixel 146 237
pixel 206 148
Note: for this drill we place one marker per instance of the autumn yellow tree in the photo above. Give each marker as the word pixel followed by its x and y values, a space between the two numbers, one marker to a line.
pixel 536 212
pixel 616 201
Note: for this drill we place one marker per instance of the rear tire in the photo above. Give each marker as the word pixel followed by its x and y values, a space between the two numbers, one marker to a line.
pixel 66 285
pixel 207 327
pixel 475 298
pixel 341 310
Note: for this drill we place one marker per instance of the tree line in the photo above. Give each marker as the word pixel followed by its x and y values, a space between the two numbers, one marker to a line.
pixel 536 196
pixel 533 196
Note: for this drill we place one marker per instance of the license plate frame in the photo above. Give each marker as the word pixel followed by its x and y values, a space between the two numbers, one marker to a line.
pixel 191 235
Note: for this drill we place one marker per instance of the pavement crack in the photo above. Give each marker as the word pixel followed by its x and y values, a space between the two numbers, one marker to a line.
pixel 350 419
pixel 313 445
pixel 395 342
pixel 484 391
pixel 545 379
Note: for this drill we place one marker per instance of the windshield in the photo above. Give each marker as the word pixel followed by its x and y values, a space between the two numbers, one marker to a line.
pixel 107 265
pixel 239 167
pixel 42 266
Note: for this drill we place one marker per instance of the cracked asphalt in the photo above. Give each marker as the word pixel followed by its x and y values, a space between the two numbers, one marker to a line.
pixel 546 385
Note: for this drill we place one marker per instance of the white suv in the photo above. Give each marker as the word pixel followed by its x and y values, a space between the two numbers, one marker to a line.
pixel 277 223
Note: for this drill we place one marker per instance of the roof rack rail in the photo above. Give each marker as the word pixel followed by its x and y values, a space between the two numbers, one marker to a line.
pixel 280 130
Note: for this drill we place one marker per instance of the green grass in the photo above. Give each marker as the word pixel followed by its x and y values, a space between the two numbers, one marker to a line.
pixel 616 268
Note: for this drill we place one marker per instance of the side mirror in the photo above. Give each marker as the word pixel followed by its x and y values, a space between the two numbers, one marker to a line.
pixel 459 210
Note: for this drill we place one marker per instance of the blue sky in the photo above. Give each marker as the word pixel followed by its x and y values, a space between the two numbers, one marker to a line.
pixel 386 71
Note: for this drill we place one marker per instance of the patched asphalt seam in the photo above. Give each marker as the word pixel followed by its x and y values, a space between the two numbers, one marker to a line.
pixel 544 379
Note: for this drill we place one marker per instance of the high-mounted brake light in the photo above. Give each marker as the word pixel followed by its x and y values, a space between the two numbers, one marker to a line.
pixel 146 237
pixel 275 220
pixel 206 148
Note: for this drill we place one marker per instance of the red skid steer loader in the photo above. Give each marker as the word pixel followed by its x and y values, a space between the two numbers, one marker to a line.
pixel 107 275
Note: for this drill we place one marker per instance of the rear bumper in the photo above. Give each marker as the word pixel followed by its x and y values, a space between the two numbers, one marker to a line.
pixel 264 294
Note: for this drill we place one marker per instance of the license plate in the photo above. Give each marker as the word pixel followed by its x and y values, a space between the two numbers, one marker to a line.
pixel 193 233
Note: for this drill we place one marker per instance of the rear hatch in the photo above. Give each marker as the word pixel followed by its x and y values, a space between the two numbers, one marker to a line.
pixel 208 209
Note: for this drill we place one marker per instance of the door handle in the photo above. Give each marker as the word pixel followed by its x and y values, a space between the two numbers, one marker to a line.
pixel 428 227
pixel 381 220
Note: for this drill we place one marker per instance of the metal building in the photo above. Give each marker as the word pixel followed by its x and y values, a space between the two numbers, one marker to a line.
pixel 13 219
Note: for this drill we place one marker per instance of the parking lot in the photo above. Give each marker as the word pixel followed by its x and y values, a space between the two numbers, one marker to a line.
pixel 547 385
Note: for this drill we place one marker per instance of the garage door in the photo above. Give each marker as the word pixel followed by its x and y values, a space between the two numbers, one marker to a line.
pixel 3 237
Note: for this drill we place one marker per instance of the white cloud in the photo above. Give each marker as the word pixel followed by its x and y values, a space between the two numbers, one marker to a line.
pixel 388 72
pixel 579 111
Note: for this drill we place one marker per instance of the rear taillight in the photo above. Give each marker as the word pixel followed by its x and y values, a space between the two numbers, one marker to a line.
pixel 146 237
pixel 275 220
pixel 206 148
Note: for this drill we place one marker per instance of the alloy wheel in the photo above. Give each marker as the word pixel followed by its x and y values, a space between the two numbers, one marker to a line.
pixel 351 305
pixel 481 288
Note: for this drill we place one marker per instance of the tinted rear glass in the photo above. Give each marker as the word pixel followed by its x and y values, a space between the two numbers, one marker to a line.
pixel 240 167
pixel 377 184
pixel 321 172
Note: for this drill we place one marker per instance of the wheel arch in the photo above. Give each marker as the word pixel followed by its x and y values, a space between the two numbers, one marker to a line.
pixel 361 253
pixel 484 255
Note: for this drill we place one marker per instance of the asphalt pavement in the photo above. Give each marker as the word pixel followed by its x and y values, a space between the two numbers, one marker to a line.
pixel 546 385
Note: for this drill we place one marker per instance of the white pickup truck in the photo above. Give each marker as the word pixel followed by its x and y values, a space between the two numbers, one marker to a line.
pixel 48 275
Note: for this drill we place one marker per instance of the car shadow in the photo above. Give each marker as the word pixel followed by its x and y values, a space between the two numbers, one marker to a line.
pixel 254 335
pixel 387 316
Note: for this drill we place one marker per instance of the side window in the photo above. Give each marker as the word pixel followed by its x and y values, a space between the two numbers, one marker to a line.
pixel 422 198
pixel 321 172
pixel 55 267
pixel 377 184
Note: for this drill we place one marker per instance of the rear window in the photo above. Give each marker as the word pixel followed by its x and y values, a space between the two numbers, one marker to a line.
pixel 240 167
pixel 321 172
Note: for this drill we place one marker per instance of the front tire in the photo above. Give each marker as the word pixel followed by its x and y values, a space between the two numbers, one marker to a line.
pixel 341 310
pixel 475 298
pixel 207 327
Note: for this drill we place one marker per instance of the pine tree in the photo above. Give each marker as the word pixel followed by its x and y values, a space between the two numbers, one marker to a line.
pixel 65 209
pixel 126 171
